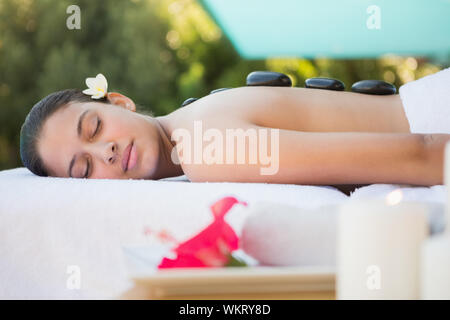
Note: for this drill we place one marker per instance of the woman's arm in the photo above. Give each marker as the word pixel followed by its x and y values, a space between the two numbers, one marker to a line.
pixel 328 158
pixel 435 155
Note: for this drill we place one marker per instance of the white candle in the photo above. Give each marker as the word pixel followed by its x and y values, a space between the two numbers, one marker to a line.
pixel 435 277
pixel 378 254
pixel 435 282
pixel 447 184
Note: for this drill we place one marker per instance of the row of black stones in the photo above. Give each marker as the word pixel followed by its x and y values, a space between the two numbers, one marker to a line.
pixel 277 79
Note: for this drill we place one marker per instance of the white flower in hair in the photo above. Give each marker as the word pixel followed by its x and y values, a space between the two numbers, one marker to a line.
pixel 97 87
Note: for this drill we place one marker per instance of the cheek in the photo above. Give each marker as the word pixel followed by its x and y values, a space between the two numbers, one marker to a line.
pixel 148 148
pixel 123 125
pixel 115 128
pixel 104 172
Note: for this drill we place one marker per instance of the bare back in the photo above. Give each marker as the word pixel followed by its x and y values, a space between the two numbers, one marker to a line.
pixel 325 137
pixel 300 109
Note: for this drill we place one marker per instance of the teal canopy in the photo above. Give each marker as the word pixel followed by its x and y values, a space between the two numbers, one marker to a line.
pixel 337 29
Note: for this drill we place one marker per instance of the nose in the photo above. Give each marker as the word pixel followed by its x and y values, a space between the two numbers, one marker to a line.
pixel 111 153
pixel 107 152
pixel 104 152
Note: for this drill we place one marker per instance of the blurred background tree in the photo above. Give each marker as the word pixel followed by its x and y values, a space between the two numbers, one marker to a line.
pixel 158 52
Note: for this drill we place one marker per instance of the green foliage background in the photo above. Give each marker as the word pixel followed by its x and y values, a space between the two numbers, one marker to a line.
pixel 158 52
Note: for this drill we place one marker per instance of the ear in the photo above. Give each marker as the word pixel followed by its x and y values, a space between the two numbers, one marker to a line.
pixel 121 100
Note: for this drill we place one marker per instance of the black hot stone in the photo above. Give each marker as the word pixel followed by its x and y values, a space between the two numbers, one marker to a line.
pixel 268 78
pixel 374 87
pixel 187 101
pixel 218 90
pixel 325 83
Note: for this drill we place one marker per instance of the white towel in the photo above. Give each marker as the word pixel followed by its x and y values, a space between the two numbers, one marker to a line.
pixel 284 235
pixel 427 103
pixel 49 224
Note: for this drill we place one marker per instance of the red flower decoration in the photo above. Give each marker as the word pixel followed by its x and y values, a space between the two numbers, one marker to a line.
pixel 211 247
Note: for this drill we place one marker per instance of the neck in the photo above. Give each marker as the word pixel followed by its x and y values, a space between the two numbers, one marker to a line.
pixel 166 167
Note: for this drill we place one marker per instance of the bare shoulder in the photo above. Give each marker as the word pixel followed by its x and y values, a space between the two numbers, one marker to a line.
pixel 282 107
pixel 245 103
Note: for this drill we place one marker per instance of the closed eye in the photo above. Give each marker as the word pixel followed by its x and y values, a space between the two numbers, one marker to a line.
pixel 98 127
pixel 88 164
pixel 87 170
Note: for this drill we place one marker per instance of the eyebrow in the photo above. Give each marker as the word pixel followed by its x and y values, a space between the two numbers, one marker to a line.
pixel 79 127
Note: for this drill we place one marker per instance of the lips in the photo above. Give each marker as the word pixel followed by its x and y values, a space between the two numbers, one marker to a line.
pixel 126 156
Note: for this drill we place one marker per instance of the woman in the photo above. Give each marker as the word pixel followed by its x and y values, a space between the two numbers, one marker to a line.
pixel 324 138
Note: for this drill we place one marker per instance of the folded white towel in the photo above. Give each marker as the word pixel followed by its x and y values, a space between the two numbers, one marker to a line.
pixel 285 235
pixel 427 103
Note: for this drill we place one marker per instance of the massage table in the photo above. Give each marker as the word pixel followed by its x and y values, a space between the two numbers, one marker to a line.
pixel 50 224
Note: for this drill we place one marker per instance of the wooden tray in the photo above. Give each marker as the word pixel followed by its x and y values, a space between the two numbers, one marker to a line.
pixel 239 280
pixel 257 281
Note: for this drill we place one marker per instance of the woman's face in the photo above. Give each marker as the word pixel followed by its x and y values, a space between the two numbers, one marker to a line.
pixel 96 150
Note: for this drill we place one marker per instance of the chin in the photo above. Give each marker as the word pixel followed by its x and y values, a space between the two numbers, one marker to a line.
pixel 147 165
